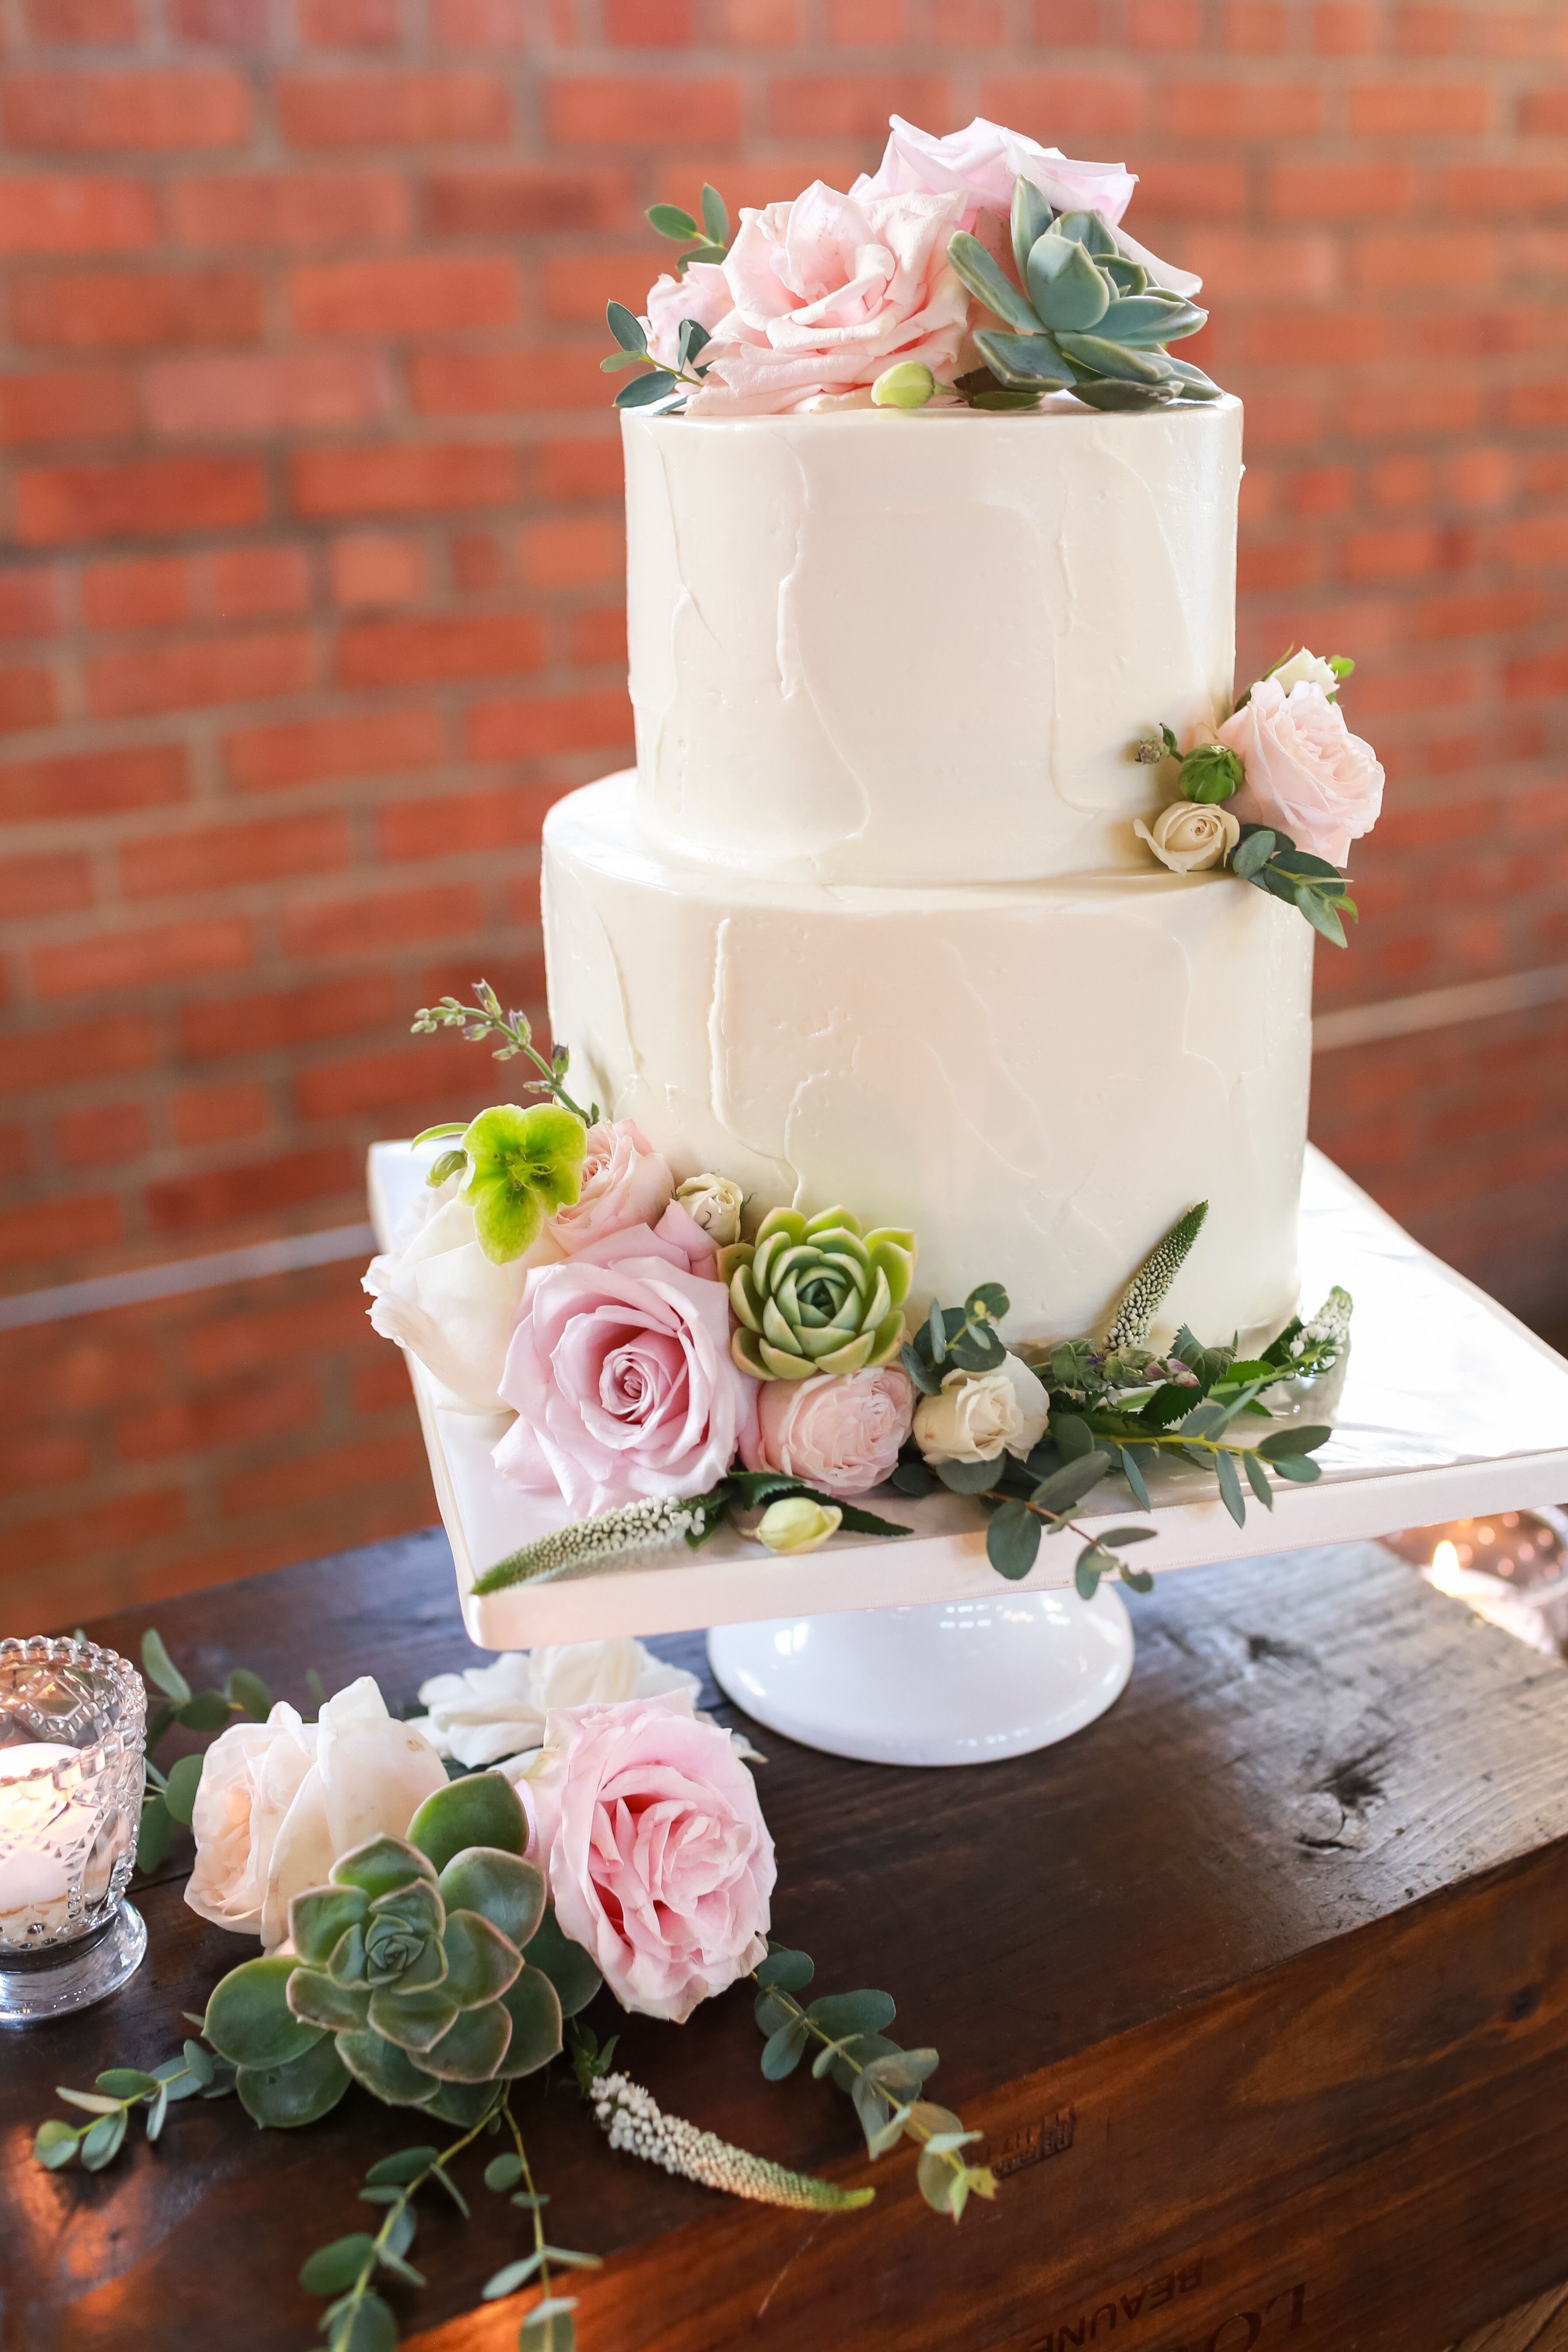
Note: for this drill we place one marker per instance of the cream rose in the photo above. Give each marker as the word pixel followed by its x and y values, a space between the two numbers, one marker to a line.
pixel 1191 836
pixel 438 1295
pixel 279 1801
pixel 714 1204
pixel 841 1433
pixel 1307 668
pixel 625 1182
pixel 979 1416
pixel 489 1711
pixel 1306 772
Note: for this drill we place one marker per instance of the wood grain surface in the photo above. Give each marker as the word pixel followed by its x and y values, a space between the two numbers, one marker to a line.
pixel 1279 1948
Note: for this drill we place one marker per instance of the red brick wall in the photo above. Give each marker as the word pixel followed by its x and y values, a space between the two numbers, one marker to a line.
pixel 310 601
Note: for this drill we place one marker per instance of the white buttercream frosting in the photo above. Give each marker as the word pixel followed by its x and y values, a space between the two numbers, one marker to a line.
pixel 1036 1076
pixel 880 648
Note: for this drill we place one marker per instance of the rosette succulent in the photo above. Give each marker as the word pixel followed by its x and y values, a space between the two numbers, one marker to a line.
pixel 408 1973
pixel 815 1295
pixel 1083 318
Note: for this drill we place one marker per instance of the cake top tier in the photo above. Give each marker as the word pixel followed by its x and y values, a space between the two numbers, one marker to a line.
pixel 903 648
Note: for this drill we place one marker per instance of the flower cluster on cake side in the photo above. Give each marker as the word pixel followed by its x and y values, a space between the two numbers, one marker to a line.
pixel 664 1368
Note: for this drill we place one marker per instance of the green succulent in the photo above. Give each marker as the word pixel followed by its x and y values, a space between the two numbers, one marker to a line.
pixel 407 1974
pixel 815 1295
pixel 1083 318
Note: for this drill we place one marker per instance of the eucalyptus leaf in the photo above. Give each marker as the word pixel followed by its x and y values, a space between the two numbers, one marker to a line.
pixel 968 1477
pixel 1321 915
pixel 1296 1467
pixel 397 2172
pixel 671 221
pixel 1230 1492
pixel 625 326
pixel 1012 1541
pixel 97 2103
pixel 207 1711
pixel 102 2144
pixel 863 2011
pixel 503 2172
pixel 153 1834
pixel 715 217
pixel 1257 1480
pixel 180 1791
pixel 1087 1568
pixel 333 2268
pixel 370 2327
pixel 246 1690
pixel 1135 1477
pixel 643 390
pixel 1252 854
pixel 1065 1487
pixel 126 2082
pixel 281 2098
pixel 926 1381
pixel 54 2143
pixel 790 1971
pixel 160 1668
pixel 1305 1439
pixel 783 2050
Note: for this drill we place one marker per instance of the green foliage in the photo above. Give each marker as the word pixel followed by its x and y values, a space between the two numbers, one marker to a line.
pixel 167 1798
pixel 957 1339
pixel 484 1019
pixel 1082 319
pixel 882 2080
pixel 116 2091
pixel 523 1166
pixel 1269 859
pixel 1211 773
pixel 662 386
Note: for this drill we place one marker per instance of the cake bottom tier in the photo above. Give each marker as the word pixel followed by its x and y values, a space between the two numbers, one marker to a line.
pixel 1037 1078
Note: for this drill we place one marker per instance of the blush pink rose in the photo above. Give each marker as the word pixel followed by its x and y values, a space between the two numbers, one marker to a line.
pixel 841 1433
pixel 659 1859
pixel 828 293
pixel 620 1374
pixel 980 165
pixel 1306 772
pixel 703 294
pixel 625 1182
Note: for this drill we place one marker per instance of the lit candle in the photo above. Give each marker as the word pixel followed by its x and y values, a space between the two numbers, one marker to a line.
pixel 40 1844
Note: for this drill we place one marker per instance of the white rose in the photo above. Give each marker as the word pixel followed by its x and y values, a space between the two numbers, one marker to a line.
pixel 1303 667
pixel 438 1295
pixel 714 1204
pixel 981 1415
pixel 487 1712
pixel 279 1801
pixel 1306 772
pixel 1191 834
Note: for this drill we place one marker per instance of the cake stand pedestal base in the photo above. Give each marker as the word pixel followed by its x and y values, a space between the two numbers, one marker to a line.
pixel 957 1682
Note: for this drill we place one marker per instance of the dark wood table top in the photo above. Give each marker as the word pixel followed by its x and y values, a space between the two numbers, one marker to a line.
pixel 1308 1746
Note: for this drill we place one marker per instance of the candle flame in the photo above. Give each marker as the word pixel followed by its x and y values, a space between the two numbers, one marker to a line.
pixel 1444 1571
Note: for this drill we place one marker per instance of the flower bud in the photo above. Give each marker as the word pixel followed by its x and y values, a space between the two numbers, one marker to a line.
pixel 910 384
pixel 1210 772
pixel 713 1203
pixel 798 1524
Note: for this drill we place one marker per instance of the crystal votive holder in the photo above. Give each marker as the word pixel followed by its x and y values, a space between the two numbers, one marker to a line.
pixel 72 1764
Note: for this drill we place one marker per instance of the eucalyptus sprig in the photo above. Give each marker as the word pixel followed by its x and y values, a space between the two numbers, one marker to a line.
pixel 884 2081
pixel 961 1338
pixel 169 1797
pixel 358 2319
pixel 1269 859
pixel 665 386
pixel 486 1019
pixel 707 242
pixel 1082 317
pixel 548 2325
pixel 195 2073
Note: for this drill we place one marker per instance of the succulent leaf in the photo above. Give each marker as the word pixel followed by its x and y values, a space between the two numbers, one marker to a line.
pixel 1089 230
pixel 979 273
pixel 503 1889
pixel 249 2020
pixel 533 2006
pixel 380 1865
pixel 1025 363
pixel 1031 218
pixel 1069 292
pixel 480 1961
pixel 319 1917
pixel 385 2070
pixel 412 2019
pixel 315 2000
pixel 1146 321
pixel 280 2098
pixel 567 1965
pixel 482 1809
pixel 472 2049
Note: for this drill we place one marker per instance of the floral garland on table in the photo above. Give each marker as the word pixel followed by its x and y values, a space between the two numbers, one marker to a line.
pixel 432 1939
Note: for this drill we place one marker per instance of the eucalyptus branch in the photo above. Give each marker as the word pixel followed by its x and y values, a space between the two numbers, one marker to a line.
pixel 168 1798
pixel 359 2320
pixel 118 2089
pixel 486 1019
pixel 548 2326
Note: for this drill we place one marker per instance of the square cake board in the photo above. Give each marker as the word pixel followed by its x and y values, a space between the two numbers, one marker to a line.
pixel 1445 1407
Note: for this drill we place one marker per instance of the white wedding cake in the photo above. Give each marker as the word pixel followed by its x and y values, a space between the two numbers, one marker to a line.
pixel 869 922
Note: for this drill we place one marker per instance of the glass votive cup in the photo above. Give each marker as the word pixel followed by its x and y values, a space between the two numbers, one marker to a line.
pixel 72 1765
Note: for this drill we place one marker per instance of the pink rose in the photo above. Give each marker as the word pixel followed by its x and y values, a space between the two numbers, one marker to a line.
pixel 828 294
pixel 982 164
pixel 1306 772
pixel 839 1432
pixel 703 294
pixel 659 1859
pixel 625 1182
pixel 620 1374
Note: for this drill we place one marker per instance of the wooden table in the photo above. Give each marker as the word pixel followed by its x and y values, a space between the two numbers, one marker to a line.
pixel 1259 1987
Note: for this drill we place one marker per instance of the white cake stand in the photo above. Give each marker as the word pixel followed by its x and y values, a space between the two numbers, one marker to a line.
pixel 914 1650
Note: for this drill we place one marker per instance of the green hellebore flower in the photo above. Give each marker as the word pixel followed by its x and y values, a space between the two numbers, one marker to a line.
pixel 1210 772
pixel 523 1166
pixel 815 1295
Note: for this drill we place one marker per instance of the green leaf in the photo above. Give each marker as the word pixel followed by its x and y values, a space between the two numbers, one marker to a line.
pixel 333 2268
pixel 1135 1477
pixel 901 2070
pixel 643 389
pixel 1321 915
pixel 1087 1568
pixel 153 1834
pixel 625 327
pixel 94 2102
pixel 1295 1467
pixel 397 2172
pixel 1139 1578
pixel 1230 1492
pixel 969 1478
pixel 987 1301
pixel 1024 363
pixel 381 1865
pixel 549 2327
pixel 387 2073
pixel 1116 397
pixel 160 1668
pixel 368 2328
pixel 1065 1487
pixel 1068 291
pixel 471 2051
pixel 1257 1481
pixel 568 1967
pixel 1089 230
pixel 503 2172
pixel 693 340
pixel 54 2143
pixel 1012 1541
pixel 782 2051
pixel 1031 218
pixel 942 2184
pixel 840 2013
pixel 975 269
pixel 480 1961
pixel 1252 854
pixel 180 1792
pixel 503 1889
pixel 789 1971
pixel 320 1917
pixel 1303 1440
pixel 247 1690
pixel 1109 359
pixel 926 1381
pixel 281 2098
pixel 1118 1536
pixel 482 1809
pixel 208 1711
pixel 715 218
pixel 126 2082
pixel 249 2019
pixel 103 2143
pixel 1145 321
pixel 1204 1419
pixel 671 221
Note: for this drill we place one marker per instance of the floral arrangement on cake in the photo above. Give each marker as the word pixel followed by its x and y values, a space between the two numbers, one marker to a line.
pixel 437 1901
pixel 665 1373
